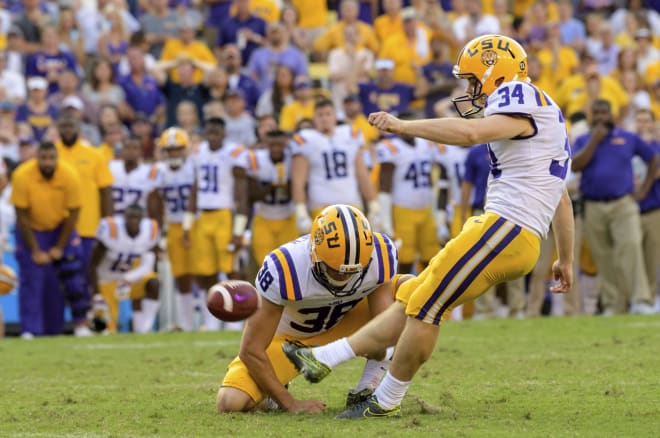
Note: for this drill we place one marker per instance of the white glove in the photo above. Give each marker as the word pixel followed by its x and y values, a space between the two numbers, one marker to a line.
pixel 383 216
pixel 441 228
pixel 303 221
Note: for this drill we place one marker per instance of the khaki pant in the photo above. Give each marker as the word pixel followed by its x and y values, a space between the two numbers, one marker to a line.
pixel 614 233
pixel 651 248
pixel 537 283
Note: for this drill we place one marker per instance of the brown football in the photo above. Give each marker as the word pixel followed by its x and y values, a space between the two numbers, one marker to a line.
pixel 233 300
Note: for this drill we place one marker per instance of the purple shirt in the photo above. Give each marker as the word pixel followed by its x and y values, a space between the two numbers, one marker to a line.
pixel 477 169
pixel 609 174
pixel 395 99
pixel 144 97
pixel 228 33
pixel 264 60
pixel 39 122
pixel 433 72
pixel 652 200
pixel 41 64
pixel 217 12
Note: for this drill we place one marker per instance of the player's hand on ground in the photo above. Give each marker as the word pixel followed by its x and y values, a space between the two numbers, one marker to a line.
pixel 41 258
pixel 385 122
pixel 306 407
pixel 562 272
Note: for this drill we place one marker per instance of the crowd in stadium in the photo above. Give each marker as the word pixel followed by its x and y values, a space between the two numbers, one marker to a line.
pixel 180 125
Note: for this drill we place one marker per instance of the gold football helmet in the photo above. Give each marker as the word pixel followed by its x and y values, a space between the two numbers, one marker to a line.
pixel 485 61
pixel 174 143
pixel 341 246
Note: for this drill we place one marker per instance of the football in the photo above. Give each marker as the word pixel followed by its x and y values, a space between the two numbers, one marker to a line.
pixel 7 279
pixel 233 300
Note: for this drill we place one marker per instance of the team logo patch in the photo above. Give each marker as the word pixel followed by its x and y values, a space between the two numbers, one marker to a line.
pixel 318 237
pixel 489 58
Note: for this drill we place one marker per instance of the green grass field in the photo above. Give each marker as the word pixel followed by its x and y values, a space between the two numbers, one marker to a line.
pixel 546 377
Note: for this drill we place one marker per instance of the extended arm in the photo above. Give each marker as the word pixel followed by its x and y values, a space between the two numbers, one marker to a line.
pixel 564 231
pixel 23 225
pixel 107 207
pixel 95 260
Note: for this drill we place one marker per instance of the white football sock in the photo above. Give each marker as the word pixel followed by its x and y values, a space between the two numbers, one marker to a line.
pixel 137 318
pixel 149 313
pixel 391 391
pixel 334 353
pixel 185 307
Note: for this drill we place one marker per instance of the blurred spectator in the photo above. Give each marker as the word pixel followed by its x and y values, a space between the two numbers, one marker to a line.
pixel 313 18
pixel 603 49
pixel 639 99
pixel 158 24
pixel 543 82
pixel 113 42
pixel 558 60
pixel 389 23
pixel 277 51
pixel 112 136
pixel 265 124
pixel 144 128
pixel 12 83
pixel 273 99
pixel 186 44
pixel 46 193
pixel 650 206
pixel 8 131
pixel 647 54
pixel 184 89
pixel 334 36
pixel 73 106
pixel 69 36
pixel 188 117
pixel 231 58
pixel 30 22
pixel 108 116
pixel 611 220
pixel 437 75
pixel 348 65
pixel 302 106
pixel 242 28
pixel 100 87
pixel 382 93
pixel 15 52
pixel 474 23
pixel 216 83
pixel 214 108
pixel 69 85
pixel 626 38
pixel 36 116
pixel 626 61
pixel 27 148
pixel 636 7
pixel 92 22
pixel 353 116
pixel 48 60
pixel 573 33
pixel 141 89
pixel 408 49
pixel 268 10
pixel 239 124
pixel 299 37
pixel 95 177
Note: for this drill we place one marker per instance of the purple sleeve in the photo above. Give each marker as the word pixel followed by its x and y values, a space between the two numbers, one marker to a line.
pixel 21 113
pixel 643 149
pixel 31 67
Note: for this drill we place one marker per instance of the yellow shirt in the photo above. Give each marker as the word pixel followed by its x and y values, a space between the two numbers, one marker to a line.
pixel 94 174
pixel 48 201
pixel 369 132
pixel 334 37
pixel 107 151
pixel 556 70
pixel 405 57
pixel 574 87
pixel 264 9
pixel 312 13
pixel 294 112
pixel 196 50
pixel 652 73
pixel 385 27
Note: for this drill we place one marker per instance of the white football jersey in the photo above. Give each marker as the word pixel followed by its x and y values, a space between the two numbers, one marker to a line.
pixel 215 182
pixel 332 172
pixel 286 279
pixel 411 182
pixel 123 251
pixel 277 204
pixel 452 158
pixel 176 186
pixel 132 187
pixel 528 174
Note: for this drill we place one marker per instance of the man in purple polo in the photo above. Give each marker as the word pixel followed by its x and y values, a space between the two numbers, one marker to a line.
pixel 46 194
pixel 244 29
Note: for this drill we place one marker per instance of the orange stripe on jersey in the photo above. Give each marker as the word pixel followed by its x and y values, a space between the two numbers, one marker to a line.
pixel 442 148
pixel 236 152
pixel 253 160
pixel 298 139
pixel 153 172
pixel 390 146
pixel 154 230
pixel 113 227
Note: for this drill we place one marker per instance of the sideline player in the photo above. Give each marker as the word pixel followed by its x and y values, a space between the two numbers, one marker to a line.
pixel 122 266
pixel 177 176
pixel 530 157
pixel 313 291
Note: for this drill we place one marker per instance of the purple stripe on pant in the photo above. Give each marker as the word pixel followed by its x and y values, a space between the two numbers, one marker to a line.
pixel 40 298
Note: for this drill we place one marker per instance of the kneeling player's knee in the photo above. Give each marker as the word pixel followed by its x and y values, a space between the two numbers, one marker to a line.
pixel 233 400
